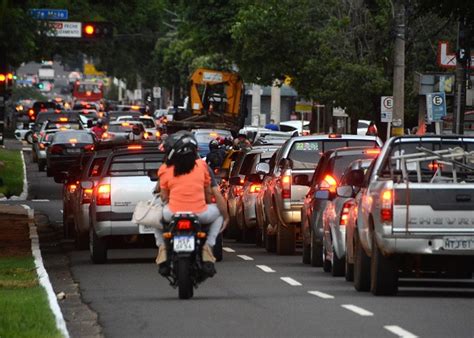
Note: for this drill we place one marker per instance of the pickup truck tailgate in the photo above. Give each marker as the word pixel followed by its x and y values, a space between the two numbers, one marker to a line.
pixel 433 208
pixel 127 191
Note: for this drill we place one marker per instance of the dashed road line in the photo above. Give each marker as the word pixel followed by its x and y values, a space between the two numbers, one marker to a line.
pixel 360 311
pixel 265 268
pixel 321 294
pixel 290 281
pixel 245 257
pixel 40 200
pixel 226 249
pixel 397 330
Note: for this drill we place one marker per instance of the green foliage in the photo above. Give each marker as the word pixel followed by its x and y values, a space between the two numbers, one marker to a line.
pixel 12 177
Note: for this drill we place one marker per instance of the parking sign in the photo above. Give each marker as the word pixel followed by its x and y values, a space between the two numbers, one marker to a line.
pixel 435 106
pixel 386 108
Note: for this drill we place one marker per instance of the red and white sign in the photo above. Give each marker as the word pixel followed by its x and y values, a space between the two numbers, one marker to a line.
pixel 447 58
pixel 65 29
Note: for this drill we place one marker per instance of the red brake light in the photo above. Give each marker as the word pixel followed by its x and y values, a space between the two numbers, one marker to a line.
pixel 134 147
pixel 374 151
pixel 87 195
pixel 255 187
pixel 105 135
pixel 346 209
pixel 158 134
pixel 328 183
pixel 334 136
pixel 103 194
pixel 286 186
pixel 89 147
pixel 184 224
pixel 434 166
pixel 71 188
pixel 31 112
pixel 146 135
pixel 386 210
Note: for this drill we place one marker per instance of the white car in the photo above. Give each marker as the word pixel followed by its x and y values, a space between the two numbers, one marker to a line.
pixel 362 126
pixel 301 126
pixel 151 133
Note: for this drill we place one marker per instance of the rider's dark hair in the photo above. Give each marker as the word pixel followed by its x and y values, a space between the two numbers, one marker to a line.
pixel 183 163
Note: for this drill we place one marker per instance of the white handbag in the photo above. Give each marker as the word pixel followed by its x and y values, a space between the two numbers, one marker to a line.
pixel 149 213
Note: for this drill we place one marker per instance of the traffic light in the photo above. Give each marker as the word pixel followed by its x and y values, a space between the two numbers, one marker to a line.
pixel 96 30
pixel 6 83
pixel 40 85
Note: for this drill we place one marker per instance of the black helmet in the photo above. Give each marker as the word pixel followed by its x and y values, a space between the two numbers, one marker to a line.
pixel 213 145
pixel 181 142
pixel 100 122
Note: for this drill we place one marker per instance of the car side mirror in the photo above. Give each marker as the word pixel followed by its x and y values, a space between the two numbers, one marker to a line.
pixel 322 195
pixel 355 177
pixel 87 185
pixel 236 180
pixel 345 191
pixel 262 168
pixel 153 175
pixel 301 179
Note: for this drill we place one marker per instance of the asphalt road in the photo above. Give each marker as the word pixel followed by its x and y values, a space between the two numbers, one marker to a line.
pixel 255 294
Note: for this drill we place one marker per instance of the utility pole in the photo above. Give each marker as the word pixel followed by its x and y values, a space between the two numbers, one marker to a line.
pixel 463 64
pixel 399 70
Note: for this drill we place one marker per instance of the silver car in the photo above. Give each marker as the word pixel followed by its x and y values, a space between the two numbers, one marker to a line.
pixel 123 182
pixel 246 216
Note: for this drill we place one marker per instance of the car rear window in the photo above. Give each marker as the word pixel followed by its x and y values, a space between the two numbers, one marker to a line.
pixel 96 167
pixel 120 128
pixel 65 137
pixel 148 123
pixel 340 163
pixel 63 125
pixel 306 154
pixel 134 165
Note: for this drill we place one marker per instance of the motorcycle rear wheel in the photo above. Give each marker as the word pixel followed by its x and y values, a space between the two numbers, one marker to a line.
pixel 185 284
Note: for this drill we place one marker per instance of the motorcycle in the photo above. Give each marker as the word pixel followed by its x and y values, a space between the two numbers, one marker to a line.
pixel 184 238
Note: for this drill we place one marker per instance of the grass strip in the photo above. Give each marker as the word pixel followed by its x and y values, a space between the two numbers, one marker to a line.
pixel 11 172
pixel 24 304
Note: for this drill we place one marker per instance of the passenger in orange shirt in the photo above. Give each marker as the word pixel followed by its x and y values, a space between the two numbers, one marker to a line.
pixel 185 184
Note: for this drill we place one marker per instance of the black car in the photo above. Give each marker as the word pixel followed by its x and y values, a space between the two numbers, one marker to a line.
pixel 65 150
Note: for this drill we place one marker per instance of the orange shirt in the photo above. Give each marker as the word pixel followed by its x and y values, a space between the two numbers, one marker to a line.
pixel 186 192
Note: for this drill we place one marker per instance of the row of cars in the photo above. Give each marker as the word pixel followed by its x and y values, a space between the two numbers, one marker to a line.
pixel 360 210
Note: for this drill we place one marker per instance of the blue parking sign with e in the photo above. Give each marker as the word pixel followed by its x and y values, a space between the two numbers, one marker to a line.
pixel 436 106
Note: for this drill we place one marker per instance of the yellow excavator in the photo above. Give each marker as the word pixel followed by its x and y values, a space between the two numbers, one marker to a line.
pixel 216 100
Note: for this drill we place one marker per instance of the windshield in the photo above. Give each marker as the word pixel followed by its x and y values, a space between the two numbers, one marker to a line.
pixel 148 123
pixel 65 137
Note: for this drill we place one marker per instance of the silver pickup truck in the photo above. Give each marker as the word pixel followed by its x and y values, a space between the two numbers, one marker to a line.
pixel 416 213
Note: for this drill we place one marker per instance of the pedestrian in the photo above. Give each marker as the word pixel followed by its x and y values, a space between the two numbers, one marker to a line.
pixel 372 129
pixel 98 129
pixel 272 125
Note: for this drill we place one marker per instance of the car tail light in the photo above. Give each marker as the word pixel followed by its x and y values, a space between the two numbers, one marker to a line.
pixel 328 183
pixel 146 136
pixel 374 151
pixel 386 210
pixel 73 140
pixel 71 188
pixel 334 136
pixel 237 190
pixel 31 112
pixel 435 165
pixel 286 185
pixel 346 209
pixel 255 187
pixel 158 134
pixel 56 149
pixel 103 194
pixel 87 195
pixel 105 135
pixel 134 147
pixel 183 224
pixel 89 147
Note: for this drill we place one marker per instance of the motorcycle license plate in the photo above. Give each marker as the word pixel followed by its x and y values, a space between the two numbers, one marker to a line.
pixel 183 244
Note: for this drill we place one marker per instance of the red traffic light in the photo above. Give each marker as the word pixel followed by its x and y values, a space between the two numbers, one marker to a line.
pixel 89 29
pixel 2 77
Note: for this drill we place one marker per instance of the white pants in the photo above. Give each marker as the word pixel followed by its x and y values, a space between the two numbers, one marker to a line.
pixel 210 216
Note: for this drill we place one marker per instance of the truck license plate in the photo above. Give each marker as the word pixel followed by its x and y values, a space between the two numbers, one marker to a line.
pixel 459 243
pixel 183 244
pixel 143 229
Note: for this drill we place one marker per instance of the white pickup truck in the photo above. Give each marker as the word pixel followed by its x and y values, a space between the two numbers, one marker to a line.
pixel 416 213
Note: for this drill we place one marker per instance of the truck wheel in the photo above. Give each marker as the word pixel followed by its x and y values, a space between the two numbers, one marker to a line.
pixel 217 250
pixel 361 266
pixel 97 247
pixel 338 265
pixel 185 284
pixel 285 240
pixel 316 252
pixel 383 272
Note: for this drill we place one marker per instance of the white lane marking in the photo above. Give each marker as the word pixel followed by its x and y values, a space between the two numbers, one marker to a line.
pixel 245 257
pixel 360 311
pixel 40 200
pixel 226 249
pixel 321 294
pixel 397 330
pixel 290 281
pixel 265 268
pixel 45 282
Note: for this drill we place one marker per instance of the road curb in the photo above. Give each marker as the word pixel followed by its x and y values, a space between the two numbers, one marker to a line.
pixel 43 274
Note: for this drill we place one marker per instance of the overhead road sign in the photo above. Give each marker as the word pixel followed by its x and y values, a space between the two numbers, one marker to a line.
pixel 386 109
pixel 435 106
pixel 49 14
pixel 65 29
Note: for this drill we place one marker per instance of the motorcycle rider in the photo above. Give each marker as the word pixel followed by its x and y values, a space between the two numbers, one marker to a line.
pixel 136 133
pixel 98 129
pixel 185 185
pixel 214 158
